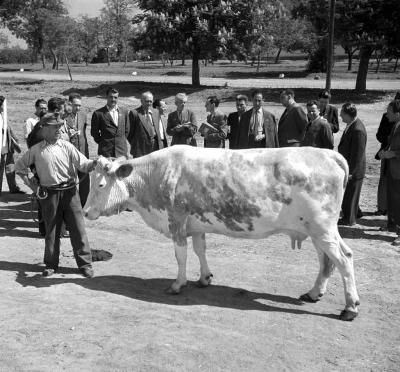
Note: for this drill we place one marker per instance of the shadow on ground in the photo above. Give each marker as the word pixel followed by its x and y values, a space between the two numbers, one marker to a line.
pixel 153 290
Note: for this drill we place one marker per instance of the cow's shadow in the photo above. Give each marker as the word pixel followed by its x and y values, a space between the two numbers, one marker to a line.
pixel 153 290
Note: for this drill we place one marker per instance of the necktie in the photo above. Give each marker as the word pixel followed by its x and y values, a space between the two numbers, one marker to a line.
pixel 150 124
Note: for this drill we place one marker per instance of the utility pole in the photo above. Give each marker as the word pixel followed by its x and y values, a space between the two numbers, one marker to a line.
pixel 331 45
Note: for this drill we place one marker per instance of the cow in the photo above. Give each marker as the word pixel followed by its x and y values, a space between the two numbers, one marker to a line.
pixel 185 191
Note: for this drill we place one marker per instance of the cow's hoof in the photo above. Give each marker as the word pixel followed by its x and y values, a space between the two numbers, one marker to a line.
pixel 172 291
pixel 347 315
pixel 206 282
pixel 307 298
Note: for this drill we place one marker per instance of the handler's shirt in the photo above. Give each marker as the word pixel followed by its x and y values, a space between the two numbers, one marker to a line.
pixel 54 163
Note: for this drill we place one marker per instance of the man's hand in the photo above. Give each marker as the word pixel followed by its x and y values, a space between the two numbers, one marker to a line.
pixel 33 184
pixel 259 137
pixel 92 165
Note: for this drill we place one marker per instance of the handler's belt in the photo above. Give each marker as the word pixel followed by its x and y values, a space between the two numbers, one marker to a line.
pixel 42 192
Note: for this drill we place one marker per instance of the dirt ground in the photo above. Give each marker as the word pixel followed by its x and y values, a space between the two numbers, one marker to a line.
pixel 248 320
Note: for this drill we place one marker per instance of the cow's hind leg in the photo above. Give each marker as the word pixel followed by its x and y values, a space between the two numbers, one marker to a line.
pixel 199 247
pixel 326 267
pixel 341 255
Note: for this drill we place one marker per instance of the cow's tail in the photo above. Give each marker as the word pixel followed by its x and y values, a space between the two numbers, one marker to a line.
pixel 342 162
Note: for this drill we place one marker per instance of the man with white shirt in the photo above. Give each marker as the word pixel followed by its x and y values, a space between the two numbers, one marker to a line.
pixel 110 127
pixel 57 162
pixel 161 106
pixel 144 135
pixel 40 109
pixel 352 146
pixel 258 126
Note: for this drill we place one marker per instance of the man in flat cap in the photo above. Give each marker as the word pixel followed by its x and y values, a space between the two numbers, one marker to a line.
pixel 57 163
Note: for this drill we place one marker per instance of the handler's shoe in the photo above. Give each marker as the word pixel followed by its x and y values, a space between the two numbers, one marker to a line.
pixel 48 272
pixel 87 271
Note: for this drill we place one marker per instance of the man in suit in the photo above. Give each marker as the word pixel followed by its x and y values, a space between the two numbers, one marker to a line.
pixel 161 106
pixel 258 126
pixel 234 121
pixel 76 124
pixel 7 153
pixel 382 135
pixel 144 135
pixel 318 133
pixel 392 155
pixel 216 137
pixel 293 122
pixel 328 111
pixel 352 146
pixel 182 124
pixel 110 127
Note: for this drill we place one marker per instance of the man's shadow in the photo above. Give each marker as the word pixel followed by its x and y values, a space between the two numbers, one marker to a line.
pixel 16 219
pixel 153 290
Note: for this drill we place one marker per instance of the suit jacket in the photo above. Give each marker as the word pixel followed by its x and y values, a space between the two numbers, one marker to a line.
pixel 216 139
pixel 394 145
pixel 382 135
pixel 234 123
pixel 331 114
pixel 110 138
pixel 144 137
pixel 352 146
pixel 319 134
pixel 185 136
pixel 269 129
pixel 78 140
pixel 292 126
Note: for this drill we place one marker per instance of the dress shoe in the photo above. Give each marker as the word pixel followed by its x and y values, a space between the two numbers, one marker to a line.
pixel 48 272
pixel 17 191
pixel 87 271
pixel 65 234
pixel 344 222
pixel 396 242
pixel 380 213
pixel 389 227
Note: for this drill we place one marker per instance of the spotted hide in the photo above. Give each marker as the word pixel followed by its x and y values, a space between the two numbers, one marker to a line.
pixel 185 191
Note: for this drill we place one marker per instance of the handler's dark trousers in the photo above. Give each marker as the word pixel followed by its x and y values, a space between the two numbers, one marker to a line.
pixel 59 206
pixel 351 199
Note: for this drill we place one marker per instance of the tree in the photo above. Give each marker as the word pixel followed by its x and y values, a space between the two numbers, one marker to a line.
pixel 3 40
pixel 200 26
pixel 116 18
pixel 88 37
pixel 27 20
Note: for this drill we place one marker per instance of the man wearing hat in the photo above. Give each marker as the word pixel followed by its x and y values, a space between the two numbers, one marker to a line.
pixel 57 163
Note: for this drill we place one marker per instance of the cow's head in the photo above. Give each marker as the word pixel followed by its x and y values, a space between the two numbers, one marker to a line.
pixel 109 189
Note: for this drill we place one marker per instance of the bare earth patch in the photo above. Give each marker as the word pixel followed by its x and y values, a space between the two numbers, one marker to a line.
pixel 248 320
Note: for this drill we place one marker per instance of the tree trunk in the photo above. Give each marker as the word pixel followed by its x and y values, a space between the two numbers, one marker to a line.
pixel 43 61
pixel 277 55
pixel 395 65
pixel 108 56
pixel 55 59
pixel 365 55
pixel 126 56
pixel 258 61
pixel 69 70
pixel 349 61
pixel 195 67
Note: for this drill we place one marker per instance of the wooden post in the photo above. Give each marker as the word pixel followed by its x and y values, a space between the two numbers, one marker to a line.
pixel 331 45
pixel 69 70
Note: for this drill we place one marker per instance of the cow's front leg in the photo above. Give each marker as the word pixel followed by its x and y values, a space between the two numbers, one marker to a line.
pixel 178 231
pixel 199 247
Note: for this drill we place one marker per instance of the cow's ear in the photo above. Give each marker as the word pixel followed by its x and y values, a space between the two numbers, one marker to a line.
pixel 124 170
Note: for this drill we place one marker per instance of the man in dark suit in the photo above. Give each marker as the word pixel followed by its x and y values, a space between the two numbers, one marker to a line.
pixel 328 111
pixel 144 135
pixel 76 124
pixel 258 126
pixel 382 135
pixel 352 146
pixel 110 127
pixel 293 122
pixel 234 121
pixel 182 124
pixel 318 133
pixel 216 132
pixel 392 155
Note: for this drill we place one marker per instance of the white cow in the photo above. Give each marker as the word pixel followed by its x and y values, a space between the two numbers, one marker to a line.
pixel 186 191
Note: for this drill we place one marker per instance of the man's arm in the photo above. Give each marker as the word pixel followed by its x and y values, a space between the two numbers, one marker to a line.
pixel 21 169
pixel 94 130
pixel 357 153
pixel 327 137
pixel 335 120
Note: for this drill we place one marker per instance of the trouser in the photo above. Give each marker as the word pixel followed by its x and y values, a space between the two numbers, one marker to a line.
pixel 7 164
pixel 351 199
pixel 84 187
pixel 393 198
pixel 382 188
pixel 59 206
